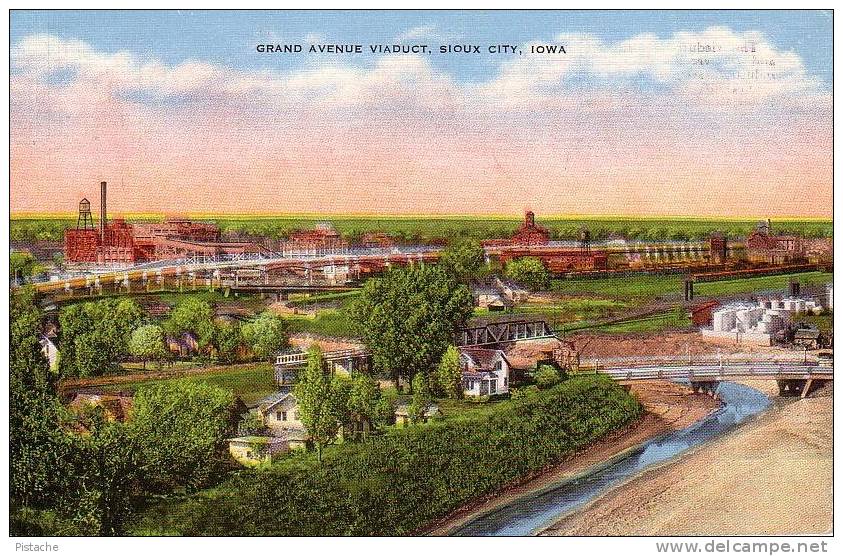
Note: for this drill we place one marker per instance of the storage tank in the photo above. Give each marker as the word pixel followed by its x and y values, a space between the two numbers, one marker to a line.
pixel 744 319
pixel 724 320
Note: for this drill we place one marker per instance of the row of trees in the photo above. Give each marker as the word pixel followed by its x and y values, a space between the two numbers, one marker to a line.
pixel 63 481
pixel 96 336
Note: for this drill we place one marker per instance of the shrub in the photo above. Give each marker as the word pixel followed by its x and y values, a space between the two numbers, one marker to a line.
pixel 547 376
pixel 402 480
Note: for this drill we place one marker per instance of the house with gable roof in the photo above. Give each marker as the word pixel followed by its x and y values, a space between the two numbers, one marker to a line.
pixel 485 372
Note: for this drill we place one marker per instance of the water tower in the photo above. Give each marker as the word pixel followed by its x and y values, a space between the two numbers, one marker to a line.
pixel 85 221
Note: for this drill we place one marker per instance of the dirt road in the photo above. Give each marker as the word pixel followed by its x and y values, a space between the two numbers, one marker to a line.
pixel 771 476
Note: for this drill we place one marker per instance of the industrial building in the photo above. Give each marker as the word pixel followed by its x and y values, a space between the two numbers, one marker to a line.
pixel 763 246
pixel 757 322
pixel 532 240
pixel 324 239
pixel 121 243
pixel 529 233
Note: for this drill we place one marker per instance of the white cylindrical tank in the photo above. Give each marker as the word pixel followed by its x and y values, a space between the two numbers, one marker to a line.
pixel 744 320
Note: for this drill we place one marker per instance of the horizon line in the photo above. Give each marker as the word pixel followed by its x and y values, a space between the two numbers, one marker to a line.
pixel 27 215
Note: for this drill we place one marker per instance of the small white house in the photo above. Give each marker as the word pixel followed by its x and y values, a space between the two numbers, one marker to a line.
pixel 485 372
pixel 280 414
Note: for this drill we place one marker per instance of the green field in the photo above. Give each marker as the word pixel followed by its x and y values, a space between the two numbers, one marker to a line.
pixel 641 288
pixel 650 324
pixel 422 229
pixel 562 311
pixel 249 382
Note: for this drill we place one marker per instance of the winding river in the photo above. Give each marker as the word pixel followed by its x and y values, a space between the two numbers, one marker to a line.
pixel 533 513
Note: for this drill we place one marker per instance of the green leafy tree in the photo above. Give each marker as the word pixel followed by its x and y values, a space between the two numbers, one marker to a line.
pixel 408 318
pixel 464 259
pixel 179 428
pixel 22 266
pixel 449 374
pixel 192 316
pixel 106 472
pixel 38 448
pixel 250 424
pixel 529 272
pixel 421 400
pixel 317 408
pixel 385 407
pixel 147 343
pixel 266 335
pixel 547 376
pixel 228 338
pixel 95 336
pixel 363 401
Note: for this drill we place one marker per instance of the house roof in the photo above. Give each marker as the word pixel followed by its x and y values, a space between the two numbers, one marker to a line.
pixel 484 359
pixel 267 403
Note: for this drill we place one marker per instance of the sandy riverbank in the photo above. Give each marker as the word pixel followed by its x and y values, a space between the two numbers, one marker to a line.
pixel 771 476
pixel 668 407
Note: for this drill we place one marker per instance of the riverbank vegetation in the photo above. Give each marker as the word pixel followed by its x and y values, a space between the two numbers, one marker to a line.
pixel 400 481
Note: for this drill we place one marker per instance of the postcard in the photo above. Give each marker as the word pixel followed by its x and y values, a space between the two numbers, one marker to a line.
pixel 322 273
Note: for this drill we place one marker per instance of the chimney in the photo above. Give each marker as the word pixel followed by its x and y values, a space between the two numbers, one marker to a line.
pixel 102 212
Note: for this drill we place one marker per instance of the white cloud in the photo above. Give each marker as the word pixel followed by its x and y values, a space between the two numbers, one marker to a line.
pixel 716 69
pixel 426 32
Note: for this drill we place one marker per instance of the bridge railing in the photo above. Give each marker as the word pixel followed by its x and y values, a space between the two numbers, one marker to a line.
pixel 717 372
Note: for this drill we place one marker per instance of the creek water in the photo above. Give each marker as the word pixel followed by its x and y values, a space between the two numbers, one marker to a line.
pixel 532 513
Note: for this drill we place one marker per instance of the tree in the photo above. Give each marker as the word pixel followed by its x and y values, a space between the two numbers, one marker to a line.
pixel 192 316
pixel 38 448
pixel 421 399
pixel 179 428
pixel 449 374
pixel 547 376
pixel 228 338
pixel 529 272
pixel 464 260
pixel 408 318
pixel 147 343
pixel 95 336
pixel 363 400
pixel 266 335
pixel 251 423
pixel 22 265
pixel 316 402
pixel 385 407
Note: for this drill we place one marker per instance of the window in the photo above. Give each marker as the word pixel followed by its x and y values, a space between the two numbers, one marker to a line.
pixel 498 365
pixel 493 386
pixel 278 415
pixel 505 382
pixel 283 415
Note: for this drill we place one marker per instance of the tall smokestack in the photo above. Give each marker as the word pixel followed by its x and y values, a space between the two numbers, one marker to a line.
pixel 102 212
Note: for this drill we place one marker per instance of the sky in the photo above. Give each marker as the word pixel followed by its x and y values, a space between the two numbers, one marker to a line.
pixel 708 113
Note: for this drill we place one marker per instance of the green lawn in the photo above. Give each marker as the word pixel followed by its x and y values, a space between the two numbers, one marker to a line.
pixel 249 382
pixel 761 283
pixel 639 288
pixel 561 311
pixel 328 322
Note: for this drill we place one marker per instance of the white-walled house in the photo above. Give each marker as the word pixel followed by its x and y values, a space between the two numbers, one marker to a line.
pixel 280 414
pixel 485 372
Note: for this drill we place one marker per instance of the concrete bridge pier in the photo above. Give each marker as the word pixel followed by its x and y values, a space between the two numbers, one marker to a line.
pixel 799 387
pixel 705 387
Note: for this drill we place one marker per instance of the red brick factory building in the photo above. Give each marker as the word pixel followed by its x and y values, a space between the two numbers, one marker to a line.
pixel 532 240
pixel 119 242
